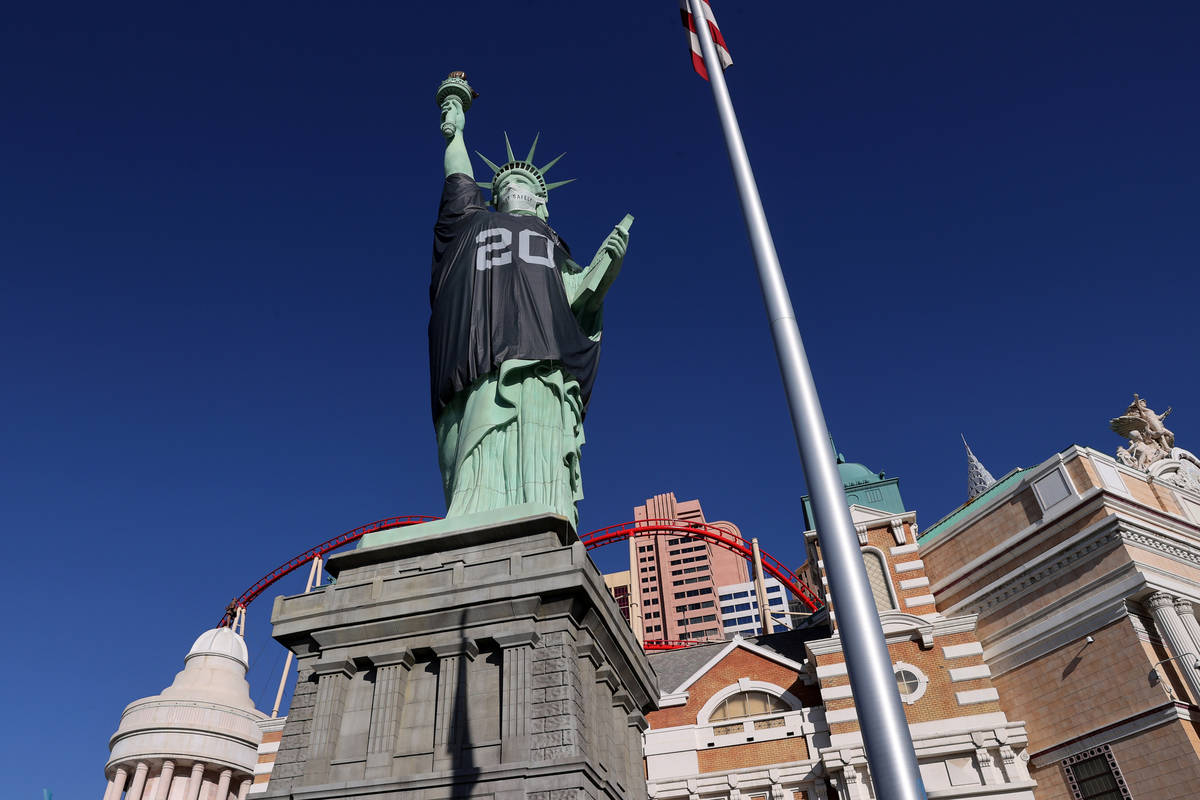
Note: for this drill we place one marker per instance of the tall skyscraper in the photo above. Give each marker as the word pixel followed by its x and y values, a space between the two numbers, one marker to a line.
pixel 675 578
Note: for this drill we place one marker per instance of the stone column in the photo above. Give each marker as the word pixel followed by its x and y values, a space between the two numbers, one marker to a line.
pixel 637 725
pixel 194 782
pixel 1166 619
pixel 223 784
pixel 451 709
pixel 515 695
pixel 244 789
pixel 622 705
pixel 164 780
pixel 391 678
pixel 1183 607
pixel 333 678
pixel 139 781
pixel 116 785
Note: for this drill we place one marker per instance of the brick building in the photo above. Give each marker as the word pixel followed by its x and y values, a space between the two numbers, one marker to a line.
pixel 773 716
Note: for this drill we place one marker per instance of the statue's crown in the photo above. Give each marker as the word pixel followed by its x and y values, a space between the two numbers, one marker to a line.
pixel 524 167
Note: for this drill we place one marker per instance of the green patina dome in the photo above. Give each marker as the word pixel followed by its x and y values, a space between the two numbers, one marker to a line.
pixel 864 487
pixel 855 474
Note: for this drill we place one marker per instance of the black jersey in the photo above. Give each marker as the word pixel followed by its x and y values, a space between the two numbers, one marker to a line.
pixel 496 294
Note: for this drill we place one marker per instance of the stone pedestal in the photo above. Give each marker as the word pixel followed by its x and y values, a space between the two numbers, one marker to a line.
pixel 467 658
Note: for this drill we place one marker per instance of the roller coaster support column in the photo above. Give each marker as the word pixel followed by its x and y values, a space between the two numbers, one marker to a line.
pixel 886 737
pixel 313 572
pixel 760 590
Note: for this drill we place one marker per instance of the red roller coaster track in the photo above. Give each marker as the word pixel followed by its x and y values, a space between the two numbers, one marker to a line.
pixel 598 538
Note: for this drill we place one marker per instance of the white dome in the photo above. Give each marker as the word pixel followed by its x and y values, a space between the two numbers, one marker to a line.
pixel 205 715
pixel 221 642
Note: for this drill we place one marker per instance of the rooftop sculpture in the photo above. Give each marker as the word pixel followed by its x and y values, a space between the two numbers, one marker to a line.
pixel 1149 440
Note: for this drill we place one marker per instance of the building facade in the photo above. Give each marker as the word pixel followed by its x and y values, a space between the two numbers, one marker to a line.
pixel 676 578
pixel 1084 574
pixel 739 607
pixel 774 717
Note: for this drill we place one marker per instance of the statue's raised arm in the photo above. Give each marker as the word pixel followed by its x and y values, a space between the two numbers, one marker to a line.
pixel 454 97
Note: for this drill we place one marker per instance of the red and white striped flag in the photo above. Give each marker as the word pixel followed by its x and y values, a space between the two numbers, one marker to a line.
pixel 718 39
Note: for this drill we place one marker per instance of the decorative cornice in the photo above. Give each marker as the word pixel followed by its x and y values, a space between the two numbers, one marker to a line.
pixel 1111 532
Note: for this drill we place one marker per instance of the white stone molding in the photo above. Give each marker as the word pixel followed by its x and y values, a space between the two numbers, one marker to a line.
pixel 919 600
pixel 831 670
pixel 908 566
pixel 962 650
pixel 972 696
pixel 914 583
pixel 861 530
pixel 806 776
pixel 841 715
pixel 904 549
pixel 836 692
pixel 959 674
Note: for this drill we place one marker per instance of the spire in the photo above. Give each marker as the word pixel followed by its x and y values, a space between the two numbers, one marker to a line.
pixel 979 480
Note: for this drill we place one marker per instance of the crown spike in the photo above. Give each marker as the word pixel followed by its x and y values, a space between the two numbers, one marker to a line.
pixel 533 147
pixel 508 147
pixel 557 184
pixel 553 161
pixel 494 168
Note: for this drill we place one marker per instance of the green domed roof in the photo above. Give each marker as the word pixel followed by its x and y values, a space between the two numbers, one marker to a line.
pixel 864 487
pixel 854 474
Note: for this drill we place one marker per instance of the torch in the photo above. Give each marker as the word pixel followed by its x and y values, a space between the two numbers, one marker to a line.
pixel 454 89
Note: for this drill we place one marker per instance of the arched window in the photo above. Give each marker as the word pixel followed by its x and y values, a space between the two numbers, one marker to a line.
pixel 748 704
pixel 877 576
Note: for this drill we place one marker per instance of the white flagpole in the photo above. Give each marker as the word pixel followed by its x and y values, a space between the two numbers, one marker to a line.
pixel 886 738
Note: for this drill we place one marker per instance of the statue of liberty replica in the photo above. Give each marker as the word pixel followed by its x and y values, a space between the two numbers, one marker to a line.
pixel 514 334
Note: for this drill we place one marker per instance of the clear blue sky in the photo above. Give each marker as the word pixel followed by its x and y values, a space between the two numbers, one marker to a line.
pixel 215 226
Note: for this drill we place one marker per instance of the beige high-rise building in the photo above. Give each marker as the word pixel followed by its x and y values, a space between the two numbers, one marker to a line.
pixel 675 578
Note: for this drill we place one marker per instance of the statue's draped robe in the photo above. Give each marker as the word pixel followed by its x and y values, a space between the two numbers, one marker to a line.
pixel 511 368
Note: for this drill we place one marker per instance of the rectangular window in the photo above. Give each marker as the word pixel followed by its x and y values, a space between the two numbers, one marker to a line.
pixel 1094 775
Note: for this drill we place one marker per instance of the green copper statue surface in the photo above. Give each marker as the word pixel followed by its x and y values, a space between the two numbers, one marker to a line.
pixel 514 331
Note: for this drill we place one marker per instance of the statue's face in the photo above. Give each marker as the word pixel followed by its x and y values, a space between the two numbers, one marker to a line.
pixel 519 195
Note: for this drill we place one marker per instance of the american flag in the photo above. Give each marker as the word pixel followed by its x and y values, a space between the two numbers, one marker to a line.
pixel 698 57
